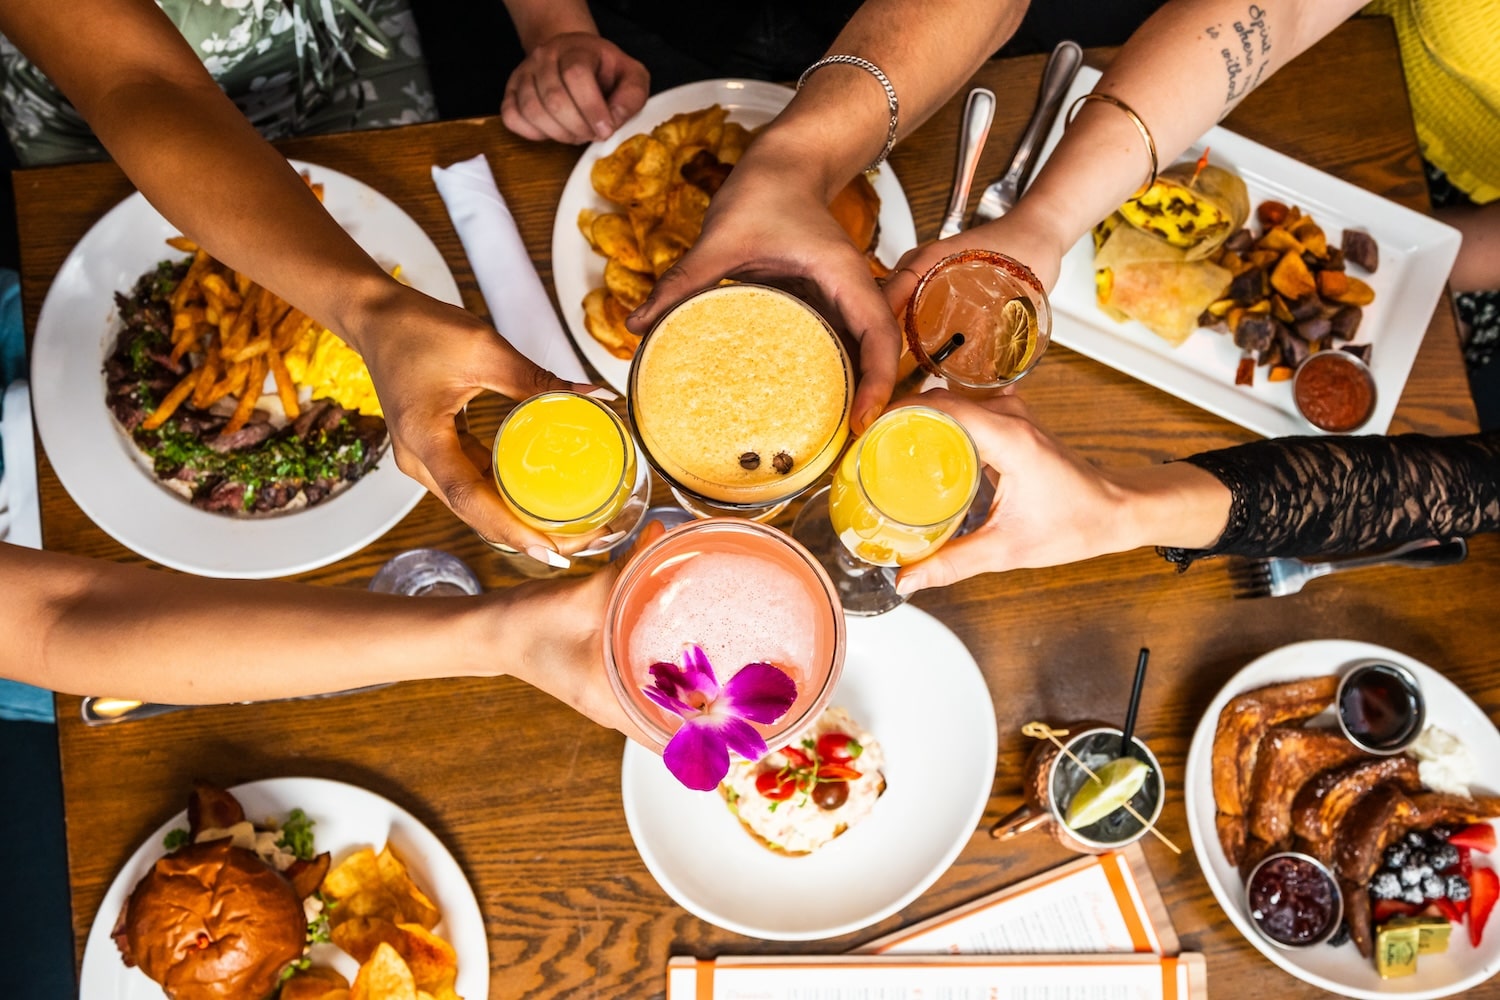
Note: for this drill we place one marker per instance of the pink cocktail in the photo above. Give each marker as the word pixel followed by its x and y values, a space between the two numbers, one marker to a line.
pixel 742 591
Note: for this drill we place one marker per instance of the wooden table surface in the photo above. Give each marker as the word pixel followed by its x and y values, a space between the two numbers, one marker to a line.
pixel 526 794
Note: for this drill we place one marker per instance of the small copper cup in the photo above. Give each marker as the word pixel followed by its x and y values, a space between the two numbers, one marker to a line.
pixel 1052 779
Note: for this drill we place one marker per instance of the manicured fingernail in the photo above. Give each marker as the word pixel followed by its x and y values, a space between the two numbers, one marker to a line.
pixel 542 554
pixel 603 394
pixel 611 539
pixel 906 585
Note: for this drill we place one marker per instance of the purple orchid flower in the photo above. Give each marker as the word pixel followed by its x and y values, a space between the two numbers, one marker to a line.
pixel 715 719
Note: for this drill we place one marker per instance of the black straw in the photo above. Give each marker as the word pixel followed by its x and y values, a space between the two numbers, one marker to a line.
pixel 941 354
pixel 1135 702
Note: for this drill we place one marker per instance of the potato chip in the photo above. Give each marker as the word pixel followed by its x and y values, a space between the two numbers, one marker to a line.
pixel 640 168
pixel 586 217
pixel 629 287
pixel 433 962
pixel 415 906
pixel 693 128
pixel 616 238
pixel 665 247
pixel 384 977
pixel 732 146
pixel 362 935
pixel 316 983
pixel 604 318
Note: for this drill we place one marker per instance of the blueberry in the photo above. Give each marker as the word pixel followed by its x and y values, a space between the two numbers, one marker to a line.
pixel 1458 888
pixel 1417 857
pixel 1442 857
pixel 1416 838
pixel 1385 885
pixel 1440 833
pixel 1396 855
pixel 1340 936
pixel 1413 894
pixel 1410 875
pixel 1434 886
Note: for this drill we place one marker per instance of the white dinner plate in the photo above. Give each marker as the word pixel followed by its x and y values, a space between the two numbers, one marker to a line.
pixel 1341 970
pixel 345 819
pixel 1416 255
pixel 577 269
pixel 105 473
pixel 910 682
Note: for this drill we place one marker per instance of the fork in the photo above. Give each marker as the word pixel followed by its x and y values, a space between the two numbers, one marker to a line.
pixel 1278 577
pixel 1000 197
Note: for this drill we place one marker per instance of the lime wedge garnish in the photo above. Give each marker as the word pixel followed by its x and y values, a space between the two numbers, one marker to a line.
pixel 1118 782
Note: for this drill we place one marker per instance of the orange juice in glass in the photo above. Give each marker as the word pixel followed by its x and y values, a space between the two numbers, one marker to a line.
pixel 565 464
pixel 740 397
pixel 742 591
pixel 900 492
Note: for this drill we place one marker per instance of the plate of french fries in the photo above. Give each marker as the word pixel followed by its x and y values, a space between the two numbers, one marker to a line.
pixel 238 353
pixel 404 923
pixel 634 205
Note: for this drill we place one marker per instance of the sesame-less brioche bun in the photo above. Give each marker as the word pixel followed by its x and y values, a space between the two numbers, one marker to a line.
pixel 214 922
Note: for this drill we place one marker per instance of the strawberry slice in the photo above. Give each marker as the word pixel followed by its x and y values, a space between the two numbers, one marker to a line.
pixel 1451 911
pixel 1486 889
pixel 1476 837
pixel 1385 909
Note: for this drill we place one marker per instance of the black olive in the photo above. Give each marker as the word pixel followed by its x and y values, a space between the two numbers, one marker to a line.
pixel 831 794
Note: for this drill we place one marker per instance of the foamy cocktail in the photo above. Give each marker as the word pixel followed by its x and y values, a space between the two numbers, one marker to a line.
pixel 740 397
pixel 744 593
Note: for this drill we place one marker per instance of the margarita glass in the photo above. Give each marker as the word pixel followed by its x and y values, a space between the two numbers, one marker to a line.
pixel 901 491
pixel 566 465
pixel 742 592
pixel 740 397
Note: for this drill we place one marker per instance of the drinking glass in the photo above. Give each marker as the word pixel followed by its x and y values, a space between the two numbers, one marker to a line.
pixel 745 593
pixel 901 491
pixel 426 573
pixel 979 320
pixel 740 397
pixel 566 465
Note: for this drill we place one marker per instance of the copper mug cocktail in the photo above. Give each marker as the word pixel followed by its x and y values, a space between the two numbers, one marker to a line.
pixel 740 397
pixel 744 593
pixel 1052 779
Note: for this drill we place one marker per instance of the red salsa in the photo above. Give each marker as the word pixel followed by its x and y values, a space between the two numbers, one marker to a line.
pixel 1334 391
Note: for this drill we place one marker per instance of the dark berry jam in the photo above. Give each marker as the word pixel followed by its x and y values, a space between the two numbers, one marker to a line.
pixel 1293 900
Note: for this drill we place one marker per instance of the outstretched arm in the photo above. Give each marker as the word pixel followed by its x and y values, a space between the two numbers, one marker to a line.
pixel 770 221
pixel 198 161
pixel 1188 66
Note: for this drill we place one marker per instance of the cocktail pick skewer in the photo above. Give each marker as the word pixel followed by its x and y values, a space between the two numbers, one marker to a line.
pixel 1042 731
pixel 941 354
pixel 1135 701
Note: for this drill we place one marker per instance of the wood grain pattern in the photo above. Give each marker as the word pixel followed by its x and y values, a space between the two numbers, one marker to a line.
pixel 526 794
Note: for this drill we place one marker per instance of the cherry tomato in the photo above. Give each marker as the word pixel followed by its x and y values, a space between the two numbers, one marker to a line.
pixel 772 785
pixel 796 758
pixel 838 748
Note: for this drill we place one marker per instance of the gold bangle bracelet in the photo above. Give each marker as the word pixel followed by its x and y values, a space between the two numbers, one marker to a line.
pixel 1135 120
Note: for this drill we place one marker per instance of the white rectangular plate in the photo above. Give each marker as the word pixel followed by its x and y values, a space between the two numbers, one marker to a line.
pixel 1416 256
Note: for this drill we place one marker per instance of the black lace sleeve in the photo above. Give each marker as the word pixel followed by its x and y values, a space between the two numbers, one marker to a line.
pixel 1338 495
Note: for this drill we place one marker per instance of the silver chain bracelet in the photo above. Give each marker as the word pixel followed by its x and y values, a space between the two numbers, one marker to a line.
pixel 890 95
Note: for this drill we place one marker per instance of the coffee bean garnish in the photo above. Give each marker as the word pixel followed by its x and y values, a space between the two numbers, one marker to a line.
pixel 749 460
pixel 782 462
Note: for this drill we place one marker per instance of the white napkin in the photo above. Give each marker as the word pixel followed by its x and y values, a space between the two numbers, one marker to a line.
pixel 508 280
pixel 20 520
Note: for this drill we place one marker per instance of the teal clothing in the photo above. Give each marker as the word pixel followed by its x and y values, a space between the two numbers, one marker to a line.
pixel 294 67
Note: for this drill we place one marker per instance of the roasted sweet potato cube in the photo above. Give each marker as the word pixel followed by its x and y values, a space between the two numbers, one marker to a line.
pixel 1292 348
pixel 1310 235
pixel 1306 307
pixel 1264 258
pixel 1280 373
pixel 1314 328
pixel 1280 310
pixel 1277 238
pixel 1261 308
pixel 1254 333
pixel 1360 351
pixel 1291 276
pixel 1244 373
pixel 1346 322
pixel 1357 294
pixel 1332 284
pixel 1249 286
pixel 1233 318
pixel 1220 308
pixel 1241 242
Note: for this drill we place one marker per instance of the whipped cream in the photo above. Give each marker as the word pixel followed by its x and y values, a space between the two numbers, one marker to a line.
pixel 1444 764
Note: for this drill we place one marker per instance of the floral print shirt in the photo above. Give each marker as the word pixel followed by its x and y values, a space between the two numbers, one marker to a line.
pixel 294 67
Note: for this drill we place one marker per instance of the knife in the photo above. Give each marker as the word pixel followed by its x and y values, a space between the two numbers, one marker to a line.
pixel 1001 196
pixel 979 111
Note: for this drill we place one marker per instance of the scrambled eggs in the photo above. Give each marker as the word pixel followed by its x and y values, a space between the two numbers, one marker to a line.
pixel 332 369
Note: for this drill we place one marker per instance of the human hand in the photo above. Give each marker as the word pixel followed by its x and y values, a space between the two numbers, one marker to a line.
pixel 565 657
pixel 428 359
pixel 768 224
pixel 1021 235
pixel 1050 507
pixel 575 87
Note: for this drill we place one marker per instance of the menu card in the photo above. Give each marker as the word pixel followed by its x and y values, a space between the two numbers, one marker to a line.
pixel 949 977
pixel 1092 929
pixel 1106 903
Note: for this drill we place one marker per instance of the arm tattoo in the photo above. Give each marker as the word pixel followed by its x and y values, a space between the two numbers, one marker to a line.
pixel 1246 54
